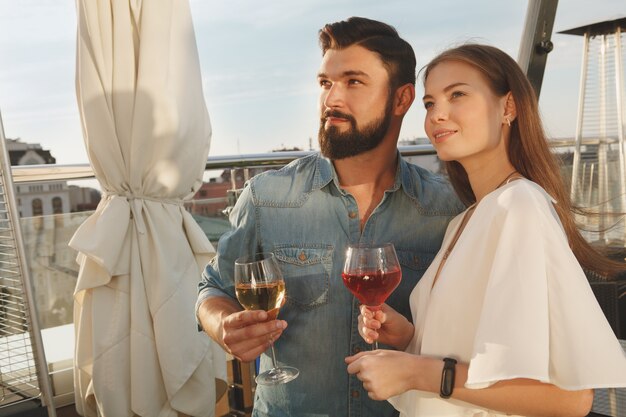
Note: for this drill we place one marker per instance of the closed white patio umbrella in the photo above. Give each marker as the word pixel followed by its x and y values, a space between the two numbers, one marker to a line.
pixel 147 133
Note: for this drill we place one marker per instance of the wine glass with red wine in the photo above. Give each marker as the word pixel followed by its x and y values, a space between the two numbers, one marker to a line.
pixel 259 285
pixel 371 273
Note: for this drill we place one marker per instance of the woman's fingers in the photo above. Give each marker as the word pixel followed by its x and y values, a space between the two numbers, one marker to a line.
pixel 368 325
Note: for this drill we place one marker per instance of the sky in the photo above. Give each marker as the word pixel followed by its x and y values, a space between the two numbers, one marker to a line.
pixel 259 62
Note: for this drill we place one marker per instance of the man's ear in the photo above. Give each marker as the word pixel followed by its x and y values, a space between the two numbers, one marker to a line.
pixel 403 99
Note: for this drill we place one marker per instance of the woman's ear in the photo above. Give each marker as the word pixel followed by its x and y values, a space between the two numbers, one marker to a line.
pixel 510 109
pixel 403 99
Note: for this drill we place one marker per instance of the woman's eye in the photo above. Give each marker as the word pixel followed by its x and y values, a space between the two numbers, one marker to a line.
pixel 456 94
pixel 428 104
pixel 324 83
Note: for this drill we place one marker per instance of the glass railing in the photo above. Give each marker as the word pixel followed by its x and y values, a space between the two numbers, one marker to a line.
pixel 52 263
pixel 53 269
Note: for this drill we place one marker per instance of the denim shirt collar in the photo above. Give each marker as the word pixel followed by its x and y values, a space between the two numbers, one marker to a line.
pixel 325 173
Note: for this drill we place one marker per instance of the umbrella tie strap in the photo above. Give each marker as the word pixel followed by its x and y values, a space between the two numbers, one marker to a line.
pixel 136 202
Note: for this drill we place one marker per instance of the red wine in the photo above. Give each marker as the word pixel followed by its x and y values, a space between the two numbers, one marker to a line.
pixel 372 289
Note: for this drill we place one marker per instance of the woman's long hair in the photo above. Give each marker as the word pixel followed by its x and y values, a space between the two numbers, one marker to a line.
pixel 528 148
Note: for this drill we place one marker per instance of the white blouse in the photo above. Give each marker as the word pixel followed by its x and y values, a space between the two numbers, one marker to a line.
pixel 513 302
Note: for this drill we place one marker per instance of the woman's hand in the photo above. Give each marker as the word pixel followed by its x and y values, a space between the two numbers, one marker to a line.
pixel 384 373
pixel 386 326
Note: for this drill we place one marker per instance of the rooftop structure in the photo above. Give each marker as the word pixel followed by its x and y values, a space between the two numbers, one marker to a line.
pixel 599 166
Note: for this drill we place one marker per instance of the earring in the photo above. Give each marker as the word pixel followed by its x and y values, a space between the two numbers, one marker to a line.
pixel 508 121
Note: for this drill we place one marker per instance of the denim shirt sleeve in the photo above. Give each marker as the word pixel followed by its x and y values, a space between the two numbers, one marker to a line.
pixel 217 278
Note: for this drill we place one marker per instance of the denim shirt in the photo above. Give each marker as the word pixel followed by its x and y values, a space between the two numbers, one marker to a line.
pixel 302 215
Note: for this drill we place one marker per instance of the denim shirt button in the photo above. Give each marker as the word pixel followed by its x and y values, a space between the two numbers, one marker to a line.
pixel 355 394
pixel 356 350
pixel 352 214
pixel 302 256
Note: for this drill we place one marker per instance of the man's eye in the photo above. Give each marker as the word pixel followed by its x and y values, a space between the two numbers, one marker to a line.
pixel 324 83
pixel 354 82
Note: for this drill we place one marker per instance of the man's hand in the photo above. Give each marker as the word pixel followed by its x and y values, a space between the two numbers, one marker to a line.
pixel 243 334
pixel 247 334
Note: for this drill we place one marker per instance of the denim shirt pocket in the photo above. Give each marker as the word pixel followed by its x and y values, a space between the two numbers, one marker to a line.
pixel 413 265
pixel 306 270
pixel 416 261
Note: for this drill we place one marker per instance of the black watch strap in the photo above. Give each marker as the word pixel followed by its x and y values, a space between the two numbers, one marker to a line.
pixel 447 377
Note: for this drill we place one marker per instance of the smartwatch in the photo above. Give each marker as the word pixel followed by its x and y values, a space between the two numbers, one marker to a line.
pixel 447 377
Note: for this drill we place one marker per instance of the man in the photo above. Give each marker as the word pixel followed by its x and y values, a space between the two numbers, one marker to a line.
pixel 358 190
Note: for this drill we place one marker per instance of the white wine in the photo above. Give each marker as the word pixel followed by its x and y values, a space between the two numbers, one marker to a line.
pixel 259 285
pixel 264 296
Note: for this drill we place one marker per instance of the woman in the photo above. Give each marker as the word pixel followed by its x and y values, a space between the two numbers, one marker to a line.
pixel 510 304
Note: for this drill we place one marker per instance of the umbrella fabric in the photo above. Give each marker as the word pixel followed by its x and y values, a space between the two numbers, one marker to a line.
pixel 147 133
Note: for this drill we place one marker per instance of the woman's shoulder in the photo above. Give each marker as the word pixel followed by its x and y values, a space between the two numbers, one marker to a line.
pixel 520 200
pixel 521 194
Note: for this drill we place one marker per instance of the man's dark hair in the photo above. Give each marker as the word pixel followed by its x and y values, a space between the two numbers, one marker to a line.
pixel 396 53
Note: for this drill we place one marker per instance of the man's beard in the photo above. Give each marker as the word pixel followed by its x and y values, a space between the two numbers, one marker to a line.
pixel 337 145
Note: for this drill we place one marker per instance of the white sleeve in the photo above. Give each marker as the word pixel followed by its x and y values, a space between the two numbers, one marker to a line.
pixel 540 319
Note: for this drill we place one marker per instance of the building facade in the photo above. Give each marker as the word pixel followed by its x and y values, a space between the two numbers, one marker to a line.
pixel 47 225
pixel 37 199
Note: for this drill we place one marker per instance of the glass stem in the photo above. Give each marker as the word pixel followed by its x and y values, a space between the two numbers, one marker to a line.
pixel 375 309
pixel 273 356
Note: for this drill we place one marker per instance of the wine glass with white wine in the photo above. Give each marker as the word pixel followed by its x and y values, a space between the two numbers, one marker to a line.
pixel 259 285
